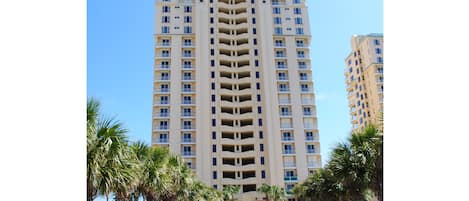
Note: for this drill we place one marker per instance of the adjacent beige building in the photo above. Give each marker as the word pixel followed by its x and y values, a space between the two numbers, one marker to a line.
pixel 233 91
pixel 364 79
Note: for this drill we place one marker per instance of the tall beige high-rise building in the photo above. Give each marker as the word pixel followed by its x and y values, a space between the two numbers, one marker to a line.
pixel 364 79
pixel 233 91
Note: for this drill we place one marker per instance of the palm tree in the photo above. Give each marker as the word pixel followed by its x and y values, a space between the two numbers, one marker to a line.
pixel 108 165
pixel 229 191
pixel 273 193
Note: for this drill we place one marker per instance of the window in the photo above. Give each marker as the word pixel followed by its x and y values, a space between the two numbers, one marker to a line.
pixel 259 109
pixel 283 87
pixel 187 64
pixel 165 19
pixel 258 86
pixel 263 174
pixel 277 20
pixel 260 122
pixel 212 63
pixel 257 74
pixel 300 54
pixel 278 30
pixel 256 63
pixel 214 148
pixel 288 149
pixel 254 41
pixel 213 74
pixel 187 19
pixel 297 10
pixel 164 100
pixel 298 20
pixel 262 160
pixel 214 174
pixel 296 1
pixel 214 135
pixel 211 20
pixel 304 88
pixel 213 98
pixel 163 137
pixel 187 29
pixel 378 51
pixel 299 31
pixel 307 111
pixel 258 98
pixel 187 9
pixel 380 60
pixel 165 29
pixel 255 52
pixel 166 9
pixel 253 10
pixel 309 135
pixel 261 135
pixel 212 41
pixel 377 42
pixel 254 20
pixel 261 147
pixel 254 31
pixel 211 30
pixel 287 136
pixel 214 161
pixel 276 10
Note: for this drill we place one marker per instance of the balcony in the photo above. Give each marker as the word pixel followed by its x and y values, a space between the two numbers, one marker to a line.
pixel 164 115
pixel 186 55
pixel 282 78
pixel 304 78
pixel 306 90
pixel 162 128
pixel 162 44
pixel 159 67
pixel 303 66
pixel 288 152
pixel 161 141
pixel 279 45
pixel 311 151
pixel 284 90
pixel 188 127
pixel 287 139
pixel 188 102
pixel 162 78
pixel 313 165
pixel 163 55
pixel 188 114
pixel 309 114
pixel 188 140
pixel 186 90
pixel 291 179
pixel 188 67
pixel 164 90
pixel 285 102
pixel 289 165
pixel 187 45
pixel 161 102
pixel 285 114
pixel 309 138
pixel 188 154
pixel 188 78
pixel 282 66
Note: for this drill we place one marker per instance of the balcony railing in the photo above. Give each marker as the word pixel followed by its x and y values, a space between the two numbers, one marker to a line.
pixel 284 89
pixel 164 114
pixel 307 113
pixel 162 140
pixel 310 151
pixel 164 55
pixel 284 102
pixel 187 90
pixel 187 78
pixel 285 113
pixel 281 66
pixel 287 138
pixel 289 165
pixel 162 90
pixel 304 78
pixel 309 138
pixel 288 151
pixel 188 140
pixel 163 127
pixel 163 66
pixel 163 78
pixel 163 44
pixel 291 178
pixel 282 78
pixel 188 102
pixel 188 127
pixel 187 114
pixel 187 55
pixel 187 66
pixel 302 66
pixel 187 44
pixel 279 45
pixel 188 153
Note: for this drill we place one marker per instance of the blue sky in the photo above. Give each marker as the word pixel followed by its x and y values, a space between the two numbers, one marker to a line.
pixel 120 59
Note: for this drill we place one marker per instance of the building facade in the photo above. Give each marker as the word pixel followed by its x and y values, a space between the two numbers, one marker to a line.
pixel 233 91
pixel 364 79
